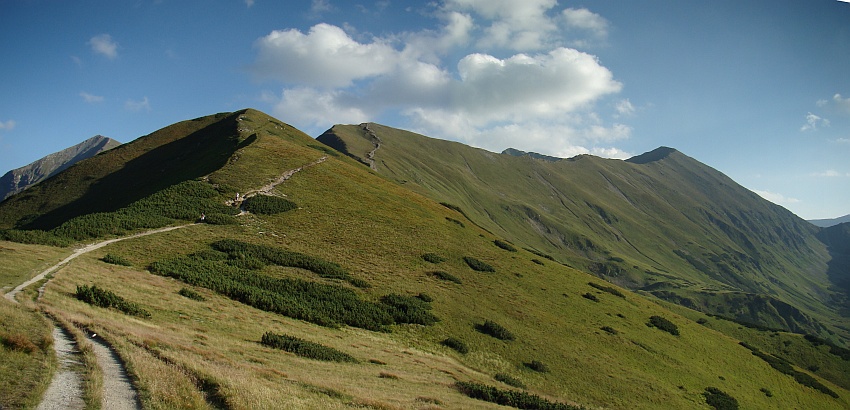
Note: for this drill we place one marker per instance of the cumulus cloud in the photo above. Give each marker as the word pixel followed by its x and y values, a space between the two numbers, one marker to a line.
pixel 319 6
pixel 778 199
pixel 7 125
pixel 843 104
pixel 324 57
pixel 104 44
pixel 141 105
pixel 813 122
pixel 540 99
pixel 91 98
pixel 249 3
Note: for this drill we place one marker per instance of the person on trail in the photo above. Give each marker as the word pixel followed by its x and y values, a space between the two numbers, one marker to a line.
pixel 203 217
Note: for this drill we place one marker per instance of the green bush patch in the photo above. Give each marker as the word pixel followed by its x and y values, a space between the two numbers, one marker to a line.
pixel 191 294
pixel 610 289
pixel 719 399
pixel 784 366
pixel 509 380
pixel 494 329
pixel 268 205
pixel 408 309
pixel 537 366
pixel 433 258
pixel 106 299
pixel 115 260
pixel 303 348
pixel 445 276
pixel 456 344
pixel 512 398
pixel 590 296
pixel 663 324
pixel 477 265
pixel 504 245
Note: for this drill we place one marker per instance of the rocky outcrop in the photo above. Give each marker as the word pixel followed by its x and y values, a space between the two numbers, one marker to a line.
pixel 21 178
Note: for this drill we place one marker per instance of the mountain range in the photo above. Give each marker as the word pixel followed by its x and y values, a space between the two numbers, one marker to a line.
pixel 377 268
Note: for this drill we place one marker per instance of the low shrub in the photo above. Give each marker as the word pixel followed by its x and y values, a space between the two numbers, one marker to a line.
pixel 456 344
pixel 540 254
pixel 268 204
pixel 702 321
pixel 433 258
pixel 442 275
pixel 191 294
pixel 766 391
pixel 538 261
pixel 425 297
pixel 610 289
pixel 610 330
pixel 477 265
pixel 509 380
pixel 783 366
pixel 408 309
pixel 513 398
pixel 107 299
pixel 537 366
pixel 304 348
pixel 590 296
pixel 115 260
pixel 456 222
pixel 663 324
pixel 504 245
pixel 719 399
pixel 221 219
pixel 494 329
pixel 385 375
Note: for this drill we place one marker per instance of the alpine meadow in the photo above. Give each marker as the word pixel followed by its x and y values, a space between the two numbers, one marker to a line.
pixel 377 268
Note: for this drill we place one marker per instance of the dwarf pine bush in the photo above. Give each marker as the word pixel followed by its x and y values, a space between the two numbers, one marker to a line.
pixel 304 348
pixel 442 275
pixel 433 258
pixel 513 398
pixel 504 245
pixel 494 329
pixel 663 324
pixel 106 299
pixel 456 344
pixel 115 260
pixel 719 399
pixel 477 265
pixel 509 380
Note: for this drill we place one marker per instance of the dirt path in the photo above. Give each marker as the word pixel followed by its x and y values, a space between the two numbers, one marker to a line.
pixel 66 387
pixel 65 390
pixel 271 185
pixel 370 156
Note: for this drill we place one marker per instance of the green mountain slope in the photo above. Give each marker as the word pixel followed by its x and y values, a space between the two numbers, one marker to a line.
pixel 661 222
pixel 405 297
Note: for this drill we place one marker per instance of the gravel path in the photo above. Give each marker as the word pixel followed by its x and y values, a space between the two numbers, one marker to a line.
pixel 118 391
pixel 66 388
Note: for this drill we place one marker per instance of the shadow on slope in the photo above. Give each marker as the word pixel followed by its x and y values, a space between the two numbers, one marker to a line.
pixel 186 157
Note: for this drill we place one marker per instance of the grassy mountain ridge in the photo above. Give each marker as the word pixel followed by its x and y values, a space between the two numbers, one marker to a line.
pixel 574 339
pixel 660 221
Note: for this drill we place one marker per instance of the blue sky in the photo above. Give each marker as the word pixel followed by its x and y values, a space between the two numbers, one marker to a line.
pixel 759 90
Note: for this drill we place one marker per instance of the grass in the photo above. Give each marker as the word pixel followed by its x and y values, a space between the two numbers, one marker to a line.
pixel 202 355
pixel 26 356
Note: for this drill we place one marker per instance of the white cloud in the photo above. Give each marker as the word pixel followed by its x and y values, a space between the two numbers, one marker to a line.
pixel 540 101
pixel 105 45
pixel 319 6
pixel 143 105
pixel 584 19
pixel 813 122
pixel 843 104
pixel 317 108
pixel 324 57
pixel 91 98
pixel 843 140
pixel 249 3
pixel 830 173
pixel 8 125
pixel 778 199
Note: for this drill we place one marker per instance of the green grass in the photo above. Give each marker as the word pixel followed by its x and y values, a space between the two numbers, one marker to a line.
pixel 27 359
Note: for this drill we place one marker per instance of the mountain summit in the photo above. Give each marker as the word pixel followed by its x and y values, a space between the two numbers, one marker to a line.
pixel 21 178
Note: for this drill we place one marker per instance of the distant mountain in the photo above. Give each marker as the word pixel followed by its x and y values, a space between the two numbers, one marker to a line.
pixel 517 153
pixel 825 223
pixel 21 178
pixel 660 222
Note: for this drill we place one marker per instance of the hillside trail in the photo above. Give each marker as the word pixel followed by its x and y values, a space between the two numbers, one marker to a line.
pixel 266 189
pixel 370 156
pixel 65 390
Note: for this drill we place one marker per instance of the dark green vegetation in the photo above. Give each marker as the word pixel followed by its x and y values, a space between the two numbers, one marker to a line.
pixel 456 344
pixel 433 258
pixel 663 324
pixel 231 268
pixel 116 260
pixel 512 398
pixel 494 329
pixel 660 222
pixel 719 399
pixel 537 366
pixel 305 348
pixel 477 265
pixel 610 289
pixel 504 245
pixel 784 366
pixel 191 294
pixel 509 380
pixel 96 296
pixel 443 275
pixel 268 205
